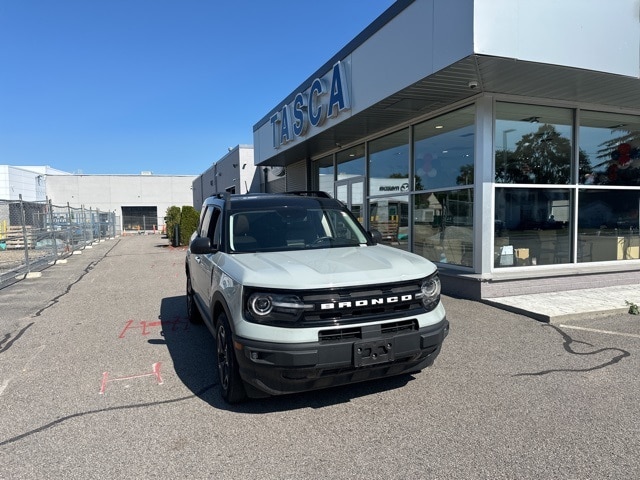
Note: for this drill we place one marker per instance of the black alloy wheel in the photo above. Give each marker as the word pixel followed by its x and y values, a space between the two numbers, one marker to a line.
pixel 231 385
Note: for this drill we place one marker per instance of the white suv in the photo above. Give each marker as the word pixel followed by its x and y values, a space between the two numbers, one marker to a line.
pixel 299 296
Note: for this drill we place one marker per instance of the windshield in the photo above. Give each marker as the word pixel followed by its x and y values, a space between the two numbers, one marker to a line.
pixel 293 228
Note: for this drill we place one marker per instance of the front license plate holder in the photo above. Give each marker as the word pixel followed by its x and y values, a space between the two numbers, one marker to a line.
pixel 372 353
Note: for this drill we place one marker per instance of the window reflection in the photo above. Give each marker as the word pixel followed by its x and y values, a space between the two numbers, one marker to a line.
pixel 325 174
pixel 351 162
pixel 608 225
pixel 443 226
pixel 389 157
pixel 532 144
pixel 444 151
pixel 610 144
pixel 388 187
pixel 390 216
pixel 532 227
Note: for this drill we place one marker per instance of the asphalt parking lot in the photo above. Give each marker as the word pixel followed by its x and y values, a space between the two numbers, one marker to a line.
pixel 102 376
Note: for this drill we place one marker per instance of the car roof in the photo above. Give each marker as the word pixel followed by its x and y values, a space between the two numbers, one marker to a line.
pixel 261 200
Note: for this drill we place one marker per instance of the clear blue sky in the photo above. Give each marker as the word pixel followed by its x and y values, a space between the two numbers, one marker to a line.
pixel 122 86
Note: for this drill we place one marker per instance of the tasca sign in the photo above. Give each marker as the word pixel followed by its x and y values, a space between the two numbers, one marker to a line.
pixel 326 98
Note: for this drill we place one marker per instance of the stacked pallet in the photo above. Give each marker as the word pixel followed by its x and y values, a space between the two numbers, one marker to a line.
pixel 14 238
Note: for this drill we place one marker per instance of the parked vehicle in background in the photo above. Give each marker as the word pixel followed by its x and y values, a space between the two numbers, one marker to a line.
pixel 299 296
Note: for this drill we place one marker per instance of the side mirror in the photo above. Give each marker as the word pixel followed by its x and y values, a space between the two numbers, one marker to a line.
pixel 375 235
pixel 202 246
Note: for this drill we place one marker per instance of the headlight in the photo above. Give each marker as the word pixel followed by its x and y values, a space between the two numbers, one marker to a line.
pixel 430 292
pixel 265 307
pixel 260 304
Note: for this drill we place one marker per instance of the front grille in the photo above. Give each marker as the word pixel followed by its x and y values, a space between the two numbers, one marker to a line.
pixel 339 334
pixel 355 333
pixel 399 327
pixel 366 304
pixel 336 307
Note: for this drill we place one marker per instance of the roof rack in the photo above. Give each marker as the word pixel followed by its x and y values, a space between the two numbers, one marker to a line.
pixel 305 193
pixel 223 195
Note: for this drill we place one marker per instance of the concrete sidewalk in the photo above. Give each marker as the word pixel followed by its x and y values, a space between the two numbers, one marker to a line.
pixel 573 304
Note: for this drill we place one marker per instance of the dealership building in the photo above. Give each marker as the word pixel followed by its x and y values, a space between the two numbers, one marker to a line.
pixel 498 138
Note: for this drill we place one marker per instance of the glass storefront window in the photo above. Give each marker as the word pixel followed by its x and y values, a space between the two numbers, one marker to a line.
pixel 350 179
pixel 351 162
pixel 608 225
pixel 389 163
pixel 390 216
pixel 443 226
pixel 532 226
pixel 444 149
pixel 533 144
pixel 609 149
pixel 325 174
pixel 388 174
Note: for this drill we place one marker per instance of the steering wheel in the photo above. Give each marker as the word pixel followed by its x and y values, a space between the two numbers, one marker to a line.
pixel 320 240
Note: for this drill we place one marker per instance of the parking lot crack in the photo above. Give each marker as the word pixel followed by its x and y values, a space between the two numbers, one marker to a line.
pixel 567 343
pixel 7 341
pixel 88 268
pixel 66 418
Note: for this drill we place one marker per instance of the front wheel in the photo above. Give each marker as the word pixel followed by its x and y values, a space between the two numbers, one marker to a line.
pixel 231 385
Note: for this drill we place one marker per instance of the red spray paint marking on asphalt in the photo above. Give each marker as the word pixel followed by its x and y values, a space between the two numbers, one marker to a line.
pixel 155 372
pixel 144 325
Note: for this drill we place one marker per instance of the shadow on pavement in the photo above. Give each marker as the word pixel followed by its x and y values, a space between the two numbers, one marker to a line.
pixel 192 350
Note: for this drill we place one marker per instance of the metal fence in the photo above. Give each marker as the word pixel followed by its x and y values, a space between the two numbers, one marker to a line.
pixel 33 235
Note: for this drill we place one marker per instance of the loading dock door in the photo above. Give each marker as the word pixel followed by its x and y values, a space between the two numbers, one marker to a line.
pixel 139 218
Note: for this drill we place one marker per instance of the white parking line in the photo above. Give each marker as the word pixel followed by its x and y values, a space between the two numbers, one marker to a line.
pixel 3 386
pixel 596 330
pixel 38 352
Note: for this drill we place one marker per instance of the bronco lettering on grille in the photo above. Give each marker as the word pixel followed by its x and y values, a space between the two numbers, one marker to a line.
pixel 367 302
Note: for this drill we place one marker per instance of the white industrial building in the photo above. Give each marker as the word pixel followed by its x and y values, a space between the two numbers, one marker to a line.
pixel 233 173
pixel 236 172
pixel 139 202
pixel 28 182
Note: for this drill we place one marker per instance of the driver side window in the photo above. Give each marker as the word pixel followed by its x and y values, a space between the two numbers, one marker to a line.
pixel 210 224
pixel 214 226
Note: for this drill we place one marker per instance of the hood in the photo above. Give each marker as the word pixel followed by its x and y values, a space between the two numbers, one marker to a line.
pixel 327 267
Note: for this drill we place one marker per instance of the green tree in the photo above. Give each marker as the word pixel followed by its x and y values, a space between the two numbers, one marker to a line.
pixel 542 157
pixel 466 175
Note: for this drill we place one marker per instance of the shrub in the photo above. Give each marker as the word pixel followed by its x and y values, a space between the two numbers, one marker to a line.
pixel 189 218
pixel 172 219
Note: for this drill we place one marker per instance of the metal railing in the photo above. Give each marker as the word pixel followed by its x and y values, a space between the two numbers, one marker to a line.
pixel 34 235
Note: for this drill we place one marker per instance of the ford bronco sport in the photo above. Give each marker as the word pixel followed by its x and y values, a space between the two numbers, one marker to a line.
pixel 299 296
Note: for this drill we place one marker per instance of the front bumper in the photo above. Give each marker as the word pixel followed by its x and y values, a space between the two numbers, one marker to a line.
pixel 279 368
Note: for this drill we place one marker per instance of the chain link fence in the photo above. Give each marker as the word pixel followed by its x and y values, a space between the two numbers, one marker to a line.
pixel 33 235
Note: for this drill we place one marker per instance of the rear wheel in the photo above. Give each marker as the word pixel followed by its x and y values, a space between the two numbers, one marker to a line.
pixel 231 385
pixel 192 309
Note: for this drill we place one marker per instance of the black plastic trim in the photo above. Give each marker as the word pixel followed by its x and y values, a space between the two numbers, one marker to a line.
pixel 279 368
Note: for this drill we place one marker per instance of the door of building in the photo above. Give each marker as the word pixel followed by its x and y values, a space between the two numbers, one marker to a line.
pixel 350 191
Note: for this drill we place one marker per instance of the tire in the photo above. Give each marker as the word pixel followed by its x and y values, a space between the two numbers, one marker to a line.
pixel 192 309
pixel 231 385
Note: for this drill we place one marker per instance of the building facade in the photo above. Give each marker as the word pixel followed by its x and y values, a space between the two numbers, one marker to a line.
pixel 233 173
pixel 498 138
pixel 28 182
pixel 140 202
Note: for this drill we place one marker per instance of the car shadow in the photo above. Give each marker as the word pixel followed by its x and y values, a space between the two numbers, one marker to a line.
pixel 192 350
